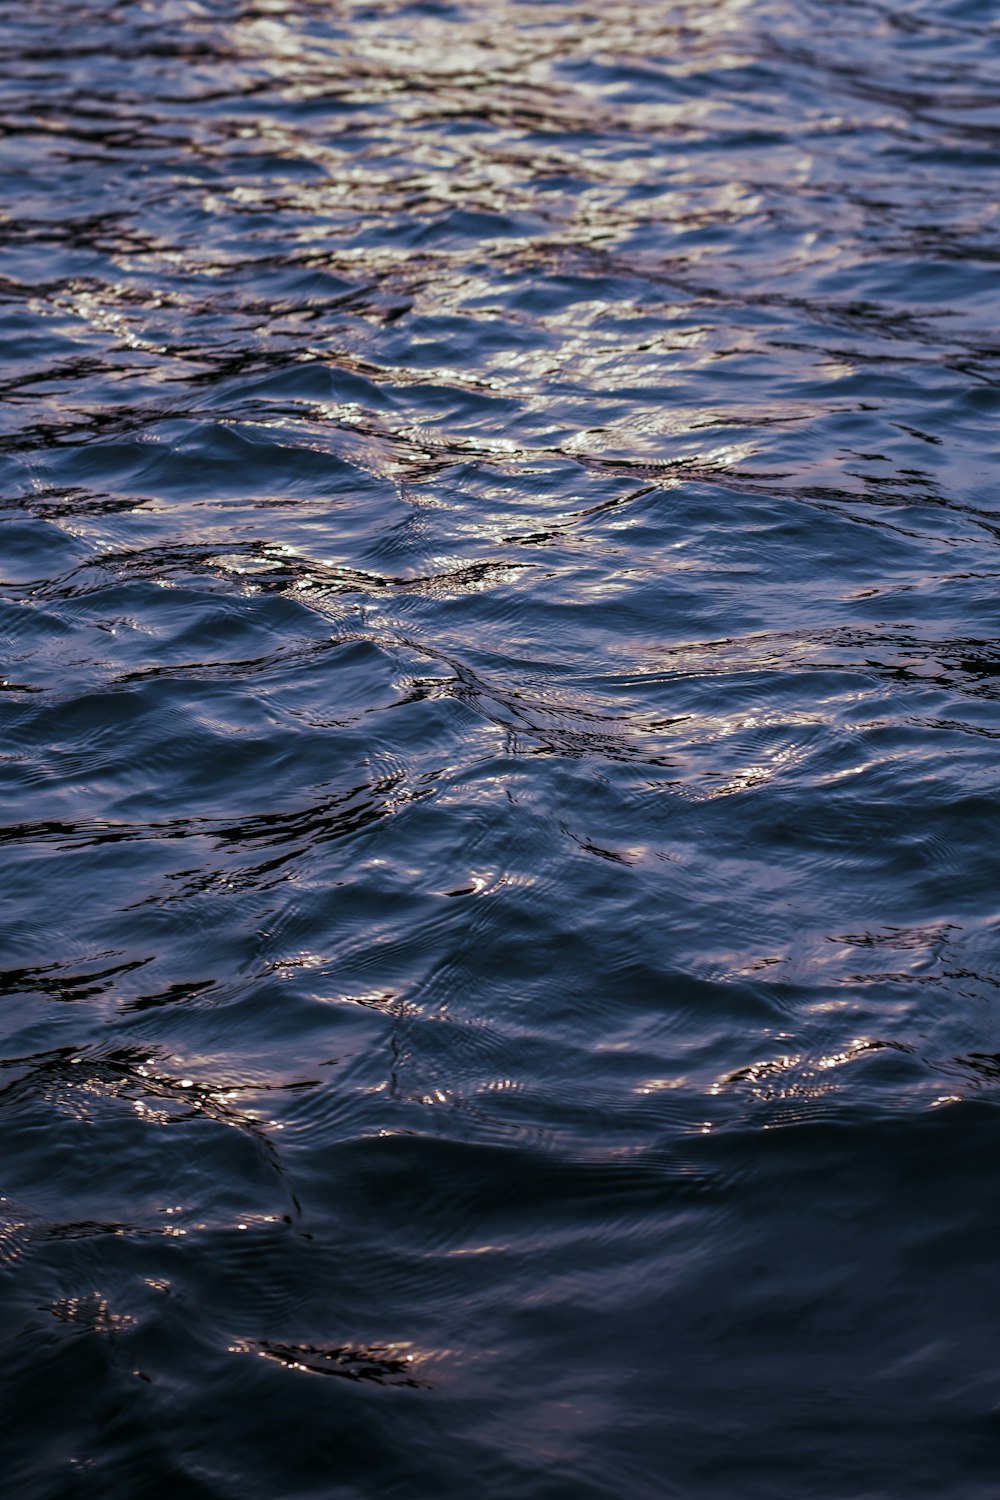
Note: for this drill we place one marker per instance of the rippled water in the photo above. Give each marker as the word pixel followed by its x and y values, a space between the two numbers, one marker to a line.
pixel 500 713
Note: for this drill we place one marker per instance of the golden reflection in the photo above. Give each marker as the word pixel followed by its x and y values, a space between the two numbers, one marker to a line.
pixel 92 1312
pixel 383 1364
pixel 794 1075
pixel 839 369
pixel 664 1085
pixel 478 1250
pixel 759 774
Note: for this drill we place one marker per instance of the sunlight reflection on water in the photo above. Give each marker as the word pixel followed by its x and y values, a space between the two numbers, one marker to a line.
pixel 499 682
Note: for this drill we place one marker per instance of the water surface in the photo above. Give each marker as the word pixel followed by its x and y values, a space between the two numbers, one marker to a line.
pixel 498 584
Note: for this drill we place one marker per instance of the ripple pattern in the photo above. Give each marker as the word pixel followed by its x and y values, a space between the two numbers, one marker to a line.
pixel 499 706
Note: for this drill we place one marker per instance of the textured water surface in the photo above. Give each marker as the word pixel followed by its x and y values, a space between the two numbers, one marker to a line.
pixel 501 650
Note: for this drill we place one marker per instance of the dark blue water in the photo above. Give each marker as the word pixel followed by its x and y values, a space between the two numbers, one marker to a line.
pixel 500 713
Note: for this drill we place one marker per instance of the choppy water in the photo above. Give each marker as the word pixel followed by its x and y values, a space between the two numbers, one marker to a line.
pixel 499 749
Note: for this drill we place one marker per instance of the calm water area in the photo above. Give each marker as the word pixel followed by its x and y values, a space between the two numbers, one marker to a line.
pixel 499 719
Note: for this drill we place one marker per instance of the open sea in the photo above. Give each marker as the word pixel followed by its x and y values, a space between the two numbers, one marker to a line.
pixel 499 750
